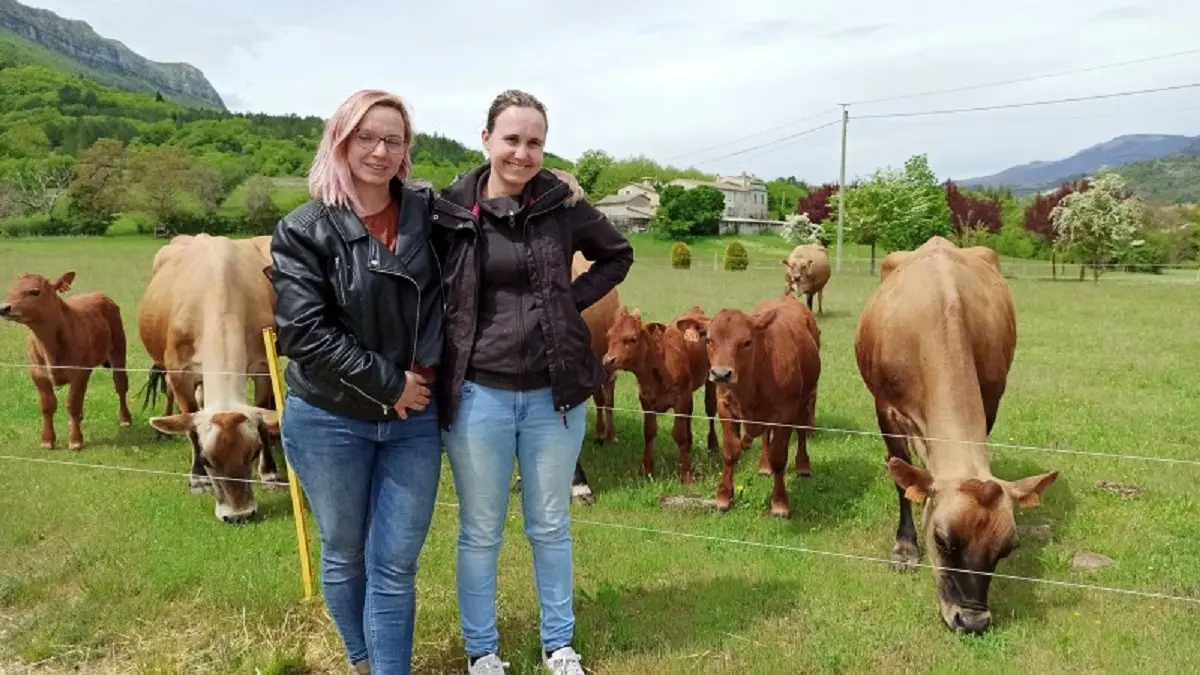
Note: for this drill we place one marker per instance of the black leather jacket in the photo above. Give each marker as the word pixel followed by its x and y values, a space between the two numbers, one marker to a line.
pixel 351 315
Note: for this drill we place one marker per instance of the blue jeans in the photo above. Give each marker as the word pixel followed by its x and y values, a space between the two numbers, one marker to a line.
pixel 493 429
pixel 372 487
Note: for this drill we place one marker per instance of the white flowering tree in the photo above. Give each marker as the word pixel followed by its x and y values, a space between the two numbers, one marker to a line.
pixel 798 229
pixel 1097 224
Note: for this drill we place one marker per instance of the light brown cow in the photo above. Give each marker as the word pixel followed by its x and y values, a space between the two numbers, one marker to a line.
pixel 934 346
pixel 807 273
pixel 598 318
pixel 201 320
pixel 67 340
pixel 670 362
pixel 766 366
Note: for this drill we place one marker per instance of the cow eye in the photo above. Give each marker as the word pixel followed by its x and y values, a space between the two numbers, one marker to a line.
pixel 33 292
pixel 746 344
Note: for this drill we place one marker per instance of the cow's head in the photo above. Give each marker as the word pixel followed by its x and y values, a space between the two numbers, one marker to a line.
pixel 627 340
pixel 734 340
pixel 967 525
pixel 231 443
pixel 33 299
pixel 796 273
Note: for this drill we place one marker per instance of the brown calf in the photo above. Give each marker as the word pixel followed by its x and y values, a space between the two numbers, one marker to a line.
pixel 808 272
pixel 670 363
pixel 766 366
pixel 934 346
pixel 67 340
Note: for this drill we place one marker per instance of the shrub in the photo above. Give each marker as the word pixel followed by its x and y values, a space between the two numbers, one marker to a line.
pixel 735 257
pixel 681 256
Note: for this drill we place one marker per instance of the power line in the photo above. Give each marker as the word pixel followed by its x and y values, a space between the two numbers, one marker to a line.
pixel 759 133
pixel 1027 104
pixel 1030 78
pixel 769 143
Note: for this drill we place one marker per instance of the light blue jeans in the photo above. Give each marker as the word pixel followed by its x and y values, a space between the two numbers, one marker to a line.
pixel 372 487
pixel 492 430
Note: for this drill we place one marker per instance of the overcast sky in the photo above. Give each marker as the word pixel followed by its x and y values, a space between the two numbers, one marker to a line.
pixel 669 78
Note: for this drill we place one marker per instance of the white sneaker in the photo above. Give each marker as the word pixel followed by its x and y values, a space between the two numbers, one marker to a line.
pixel 487 665
pixel 565 661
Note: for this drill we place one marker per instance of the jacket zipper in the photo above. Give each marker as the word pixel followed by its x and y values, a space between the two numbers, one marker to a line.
pixel 520 255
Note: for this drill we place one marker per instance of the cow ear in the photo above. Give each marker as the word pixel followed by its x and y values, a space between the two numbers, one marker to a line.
pixel 1028 491
pixel 785 262
pixel 268 419
pixel 917 482
pixel 63 284
pixel 174 424
pixel 655 330
pixel 765 319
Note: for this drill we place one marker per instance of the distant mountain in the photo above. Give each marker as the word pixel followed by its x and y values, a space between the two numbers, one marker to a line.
pixel 32 36
pixel 1120 151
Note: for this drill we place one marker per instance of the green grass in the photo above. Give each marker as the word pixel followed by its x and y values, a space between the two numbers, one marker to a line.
pixel 127 572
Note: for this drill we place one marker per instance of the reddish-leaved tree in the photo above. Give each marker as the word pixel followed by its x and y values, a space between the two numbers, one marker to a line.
pixel 968 210
pixel 816 203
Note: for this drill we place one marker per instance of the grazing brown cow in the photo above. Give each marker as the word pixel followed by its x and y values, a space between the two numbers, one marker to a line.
pixel 934 346
pixel 67 340
pixel 201 321
pixel 807 273
pixel 766 366
pixel 670 362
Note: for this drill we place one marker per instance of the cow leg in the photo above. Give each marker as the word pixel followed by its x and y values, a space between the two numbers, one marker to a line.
pixel 116 360
pixel 649 432
pixel 905 554
pixel 821 301
pixel 733 452
pixel 49 403
pixel 809 297
pixel 776 443
pixel 580 491
pixel 682 433
pixel 803 465
pixel 184 385
pixel 79 384
pixel 710 410
pixel 610 400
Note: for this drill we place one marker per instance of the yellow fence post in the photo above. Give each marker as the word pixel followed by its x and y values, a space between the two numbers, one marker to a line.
pixel 306 576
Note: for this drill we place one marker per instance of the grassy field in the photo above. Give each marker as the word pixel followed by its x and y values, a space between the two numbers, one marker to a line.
pixel 116 572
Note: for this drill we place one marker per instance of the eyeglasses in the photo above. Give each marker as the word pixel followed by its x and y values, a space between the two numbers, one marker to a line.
pixel 369 141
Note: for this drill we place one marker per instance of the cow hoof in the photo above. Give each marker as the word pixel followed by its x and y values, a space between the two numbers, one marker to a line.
pixel 686 478
pixel 583 494
pixel 781 511
pixel 47 445
pixel 76 446
pixel 804 473
pixel 273 483
pixel 764 471
pixel 724 504
pixel 905 557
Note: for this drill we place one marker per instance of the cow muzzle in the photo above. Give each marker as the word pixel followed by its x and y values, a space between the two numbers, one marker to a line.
pixel 609 361
pixel 6 311
pixel 721 375
pixel 236 514
pixel 970 621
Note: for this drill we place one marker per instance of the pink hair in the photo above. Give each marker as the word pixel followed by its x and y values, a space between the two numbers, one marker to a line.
pixel 329 177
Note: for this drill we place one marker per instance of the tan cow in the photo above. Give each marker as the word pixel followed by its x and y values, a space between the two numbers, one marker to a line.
pixel 670 362
pixel 201 321
pixel 598 318
pixel 934 346
pixel 807 273
pixel 766 365
pixel 67 340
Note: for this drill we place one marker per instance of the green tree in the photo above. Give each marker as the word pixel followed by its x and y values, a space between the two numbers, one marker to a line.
pixel 898 209
pixel 163 174
pixel 97 189
pixel 1097 225
pixel 589 167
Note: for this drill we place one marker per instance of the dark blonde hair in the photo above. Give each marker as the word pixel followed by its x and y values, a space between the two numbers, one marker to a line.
pixel 510 99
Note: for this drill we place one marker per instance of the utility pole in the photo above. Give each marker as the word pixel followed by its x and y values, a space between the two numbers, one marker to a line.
pixel 842 189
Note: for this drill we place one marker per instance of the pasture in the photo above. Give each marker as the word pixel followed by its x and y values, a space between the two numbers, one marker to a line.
pixel 114 571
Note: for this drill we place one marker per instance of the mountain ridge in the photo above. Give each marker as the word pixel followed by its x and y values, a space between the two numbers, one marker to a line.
pixel 107 60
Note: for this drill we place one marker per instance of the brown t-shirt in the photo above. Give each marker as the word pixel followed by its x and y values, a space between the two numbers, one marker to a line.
pixel 382 225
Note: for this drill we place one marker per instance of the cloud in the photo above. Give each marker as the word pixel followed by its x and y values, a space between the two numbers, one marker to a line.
pixel 671 77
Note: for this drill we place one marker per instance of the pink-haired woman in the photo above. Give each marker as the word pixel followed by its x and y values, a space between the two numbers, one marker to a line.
pixel 359 316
